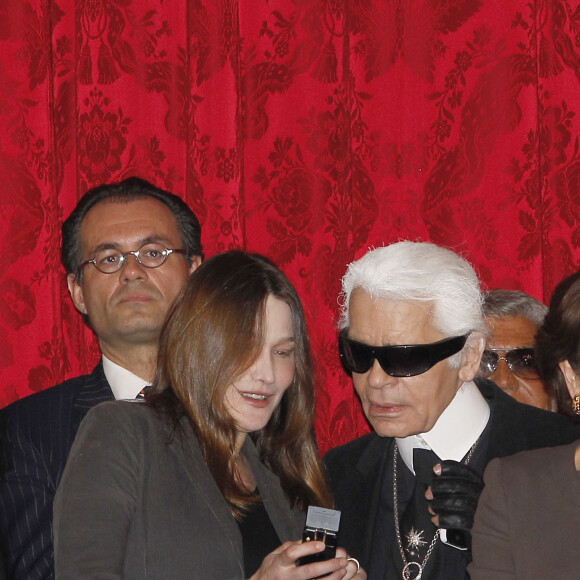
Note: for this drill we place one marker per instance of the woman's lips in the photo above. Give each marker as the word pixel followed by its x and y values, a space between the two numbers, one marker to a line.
pixel 259 400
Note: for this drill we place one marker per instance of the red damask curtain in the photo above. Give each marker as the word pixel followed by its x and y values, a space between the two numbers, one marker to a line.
pixel 307 130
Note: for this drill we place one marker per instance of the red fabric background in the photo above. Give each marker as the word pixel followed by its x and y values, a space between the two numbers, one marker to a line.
pixel 308 130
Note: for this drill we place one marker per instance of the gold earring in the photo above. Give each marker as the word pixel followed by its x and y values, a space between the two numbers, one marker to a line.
pixel 576 405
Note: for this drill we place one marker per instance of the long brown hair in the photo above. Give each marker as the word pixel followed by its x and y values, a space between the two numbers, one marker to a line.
pixel 208 341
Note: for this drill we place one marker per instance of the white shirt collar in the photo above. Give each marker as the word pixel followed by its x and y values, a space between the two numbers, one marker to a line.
pixel 456 430
pixel 124 384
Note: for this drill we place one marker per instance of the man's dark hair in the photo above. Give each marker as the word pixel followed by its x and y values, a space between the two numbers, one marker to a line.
pixel 128 190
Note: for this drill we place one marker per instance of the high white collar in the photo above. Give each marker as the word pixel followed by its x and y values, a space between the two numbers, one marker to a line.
pixel 124 383
pixel 456 430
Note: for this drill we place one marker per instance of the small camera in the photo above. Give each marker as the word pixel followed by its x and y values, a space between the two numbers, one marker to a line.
pixel 322 524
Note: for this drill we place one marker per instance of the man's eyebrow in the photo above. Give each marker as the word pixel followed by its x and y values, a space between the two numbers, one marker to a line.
pixel 155 238
pixel 105 246
pixel 148 240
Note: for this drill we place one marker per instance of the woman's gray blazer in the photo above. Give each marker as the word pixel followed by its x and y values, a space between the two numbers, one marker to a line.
pixel 137 503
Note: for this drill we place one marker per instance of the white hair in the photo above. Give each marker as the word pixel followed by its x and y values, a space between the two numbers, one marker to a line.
pixel 419 272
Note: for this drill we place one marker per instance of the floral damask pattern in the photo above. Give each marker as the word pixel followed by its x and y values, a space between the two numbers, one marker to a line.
pixel 294 190
pixel 21 210
pixel 417 33
pixel 101 139
pixel 308 130
pixel 18 307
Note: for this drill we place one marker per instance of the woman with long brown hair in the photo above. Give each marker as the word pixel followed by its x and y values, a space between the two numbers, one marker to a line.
pixel 210 476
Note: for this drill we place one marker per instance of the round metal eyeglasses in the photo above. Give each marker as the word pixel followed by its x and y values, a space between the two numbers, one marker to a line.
pixel 149 255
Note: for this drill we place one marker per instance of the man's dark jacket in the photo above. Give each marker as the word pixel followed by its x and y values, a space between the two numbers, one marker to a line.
pixel 36 434
pixel 356 469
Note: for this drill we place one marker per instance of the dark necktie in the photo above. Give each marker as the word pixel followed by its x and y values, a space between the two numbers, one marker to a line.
pixel 417 530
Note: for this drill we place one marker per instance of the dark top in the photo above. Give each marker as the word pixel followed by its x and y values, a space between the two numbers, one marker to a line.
pixel 259 537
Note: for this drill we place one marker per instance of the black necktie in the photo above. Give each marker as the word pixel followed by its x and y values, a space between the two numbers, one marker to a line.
pixel 417 530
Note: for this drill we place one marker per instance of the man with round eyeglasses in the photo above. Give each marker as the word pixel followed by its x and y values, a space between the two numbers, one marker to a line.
pixel 412 336
pixel 128 248
pixel 513 318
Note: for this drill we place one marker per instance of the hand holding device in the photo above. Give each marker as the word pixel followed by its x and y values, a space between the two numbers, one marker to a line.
pixel 322 524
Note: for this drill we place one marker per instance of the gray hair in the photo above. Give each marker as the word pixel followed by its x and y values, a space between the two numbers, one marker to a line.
pixel 419 272
pixel 502 303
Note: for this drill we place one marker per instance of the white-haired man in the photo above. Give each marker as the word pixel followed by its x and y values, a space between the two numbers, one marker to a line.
pixel 412 335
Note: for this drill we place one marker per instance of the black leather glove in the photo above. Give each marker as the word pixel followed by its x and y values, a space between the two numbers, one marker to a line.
pixel 455 495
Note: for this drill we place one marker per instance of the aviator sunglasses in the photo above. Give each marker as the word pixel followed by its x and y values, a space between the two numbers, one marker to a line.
pixel 398 360
pixel 521 362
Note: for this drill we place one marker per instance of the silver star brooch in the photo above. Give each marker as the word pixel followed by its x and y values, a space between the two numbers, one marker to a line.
pixel 415 539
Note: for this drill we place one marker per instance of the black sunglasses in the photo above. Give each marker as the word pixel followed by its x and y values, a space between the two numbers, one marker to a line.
pixel 398 360
pixel 521 362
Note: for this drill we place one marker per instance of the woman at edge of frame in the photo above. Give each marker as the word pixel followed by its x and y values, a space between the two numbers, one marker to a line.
pixel 527 523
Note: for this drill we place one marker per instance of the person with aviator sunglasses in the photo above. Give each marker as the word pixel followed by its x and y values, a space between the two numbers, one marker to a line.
pixel 513 318
pixel 412 336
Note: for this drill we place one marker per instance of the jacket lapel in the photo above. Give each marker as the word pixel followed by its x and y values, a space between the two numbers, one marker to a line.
pixel 95 390
pixel 507 434
pixel 560 466
pixel 367 479
pixel 187 449
pixel 288 527
pixel 381 452
pixel 185 445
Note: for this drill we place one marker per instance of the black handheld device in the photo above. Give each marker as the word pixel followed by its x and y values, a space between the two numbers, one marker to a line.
pixel 322 524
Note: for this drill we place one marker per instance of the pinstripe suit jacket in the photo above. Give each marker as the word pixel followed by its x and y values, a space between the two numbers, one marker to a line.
pixel 36 435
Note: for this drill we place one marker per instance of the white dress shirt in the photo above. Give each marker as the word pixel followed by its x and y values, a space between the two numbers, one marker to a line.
pixel 456 430
pixel 124 384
